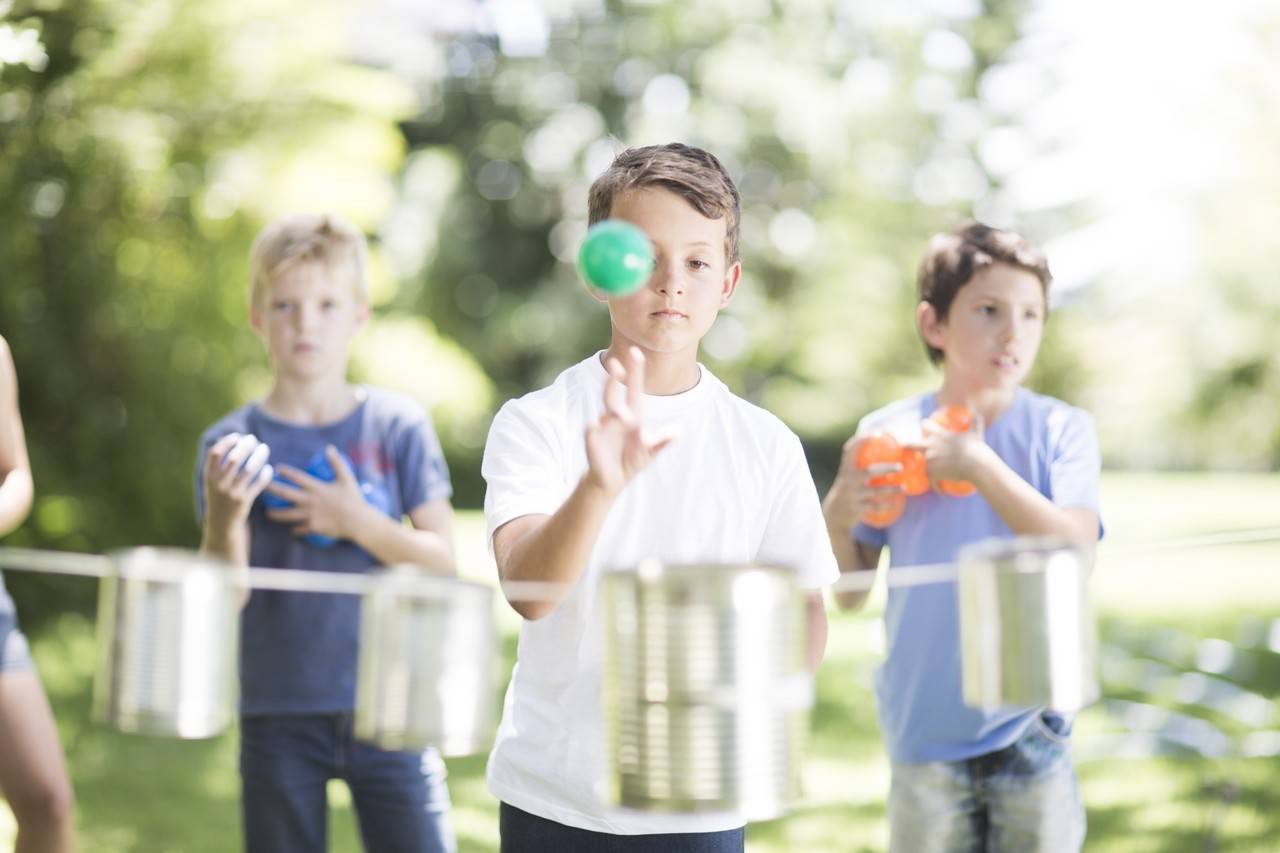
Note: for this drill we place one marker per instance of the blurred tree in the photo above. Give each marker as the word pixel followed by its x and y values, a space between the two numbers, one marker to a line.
pixel 852 130
pixel 142 145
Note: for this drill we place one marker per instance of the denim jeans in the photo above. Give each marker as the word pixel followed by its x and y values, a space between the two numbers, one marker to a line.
pixel 1021 798
pixel 286 762
pixel 525 833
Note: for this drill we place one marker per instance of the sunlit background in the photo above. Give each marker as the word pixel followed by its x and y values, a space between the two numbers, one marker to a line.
pixel 143 144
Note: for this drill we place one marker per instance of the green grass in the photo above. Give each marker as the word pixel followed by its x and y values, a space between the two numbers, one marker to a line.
pixel 140 794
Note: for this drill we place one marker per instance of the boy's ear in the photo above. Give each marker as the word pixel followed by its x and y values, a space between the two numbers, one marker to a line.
pixel 731 278
pixel 932 329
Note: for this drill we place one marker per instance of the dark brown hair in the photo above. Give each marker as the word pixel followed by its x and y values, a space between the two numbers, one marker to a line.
pixel 953 258
pixel 691 173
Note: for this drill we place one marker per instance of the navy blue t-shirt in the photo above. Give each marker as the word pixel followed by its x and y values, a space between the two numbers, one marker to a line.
pixel 298 650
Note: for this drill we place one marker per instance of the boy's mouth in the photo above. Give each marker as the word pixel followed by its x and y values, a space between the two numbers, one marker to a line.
pixel 1006 361
pixel 669 314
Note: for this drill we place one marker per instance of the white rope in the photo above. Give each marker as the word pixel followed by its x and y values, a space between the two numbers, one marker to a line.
pixel 341 583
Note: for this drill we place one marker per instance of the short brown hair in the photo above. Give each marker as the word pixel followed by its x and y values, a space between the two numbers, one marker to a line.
pixel 953 258
pixel 323 238
pixel 691 173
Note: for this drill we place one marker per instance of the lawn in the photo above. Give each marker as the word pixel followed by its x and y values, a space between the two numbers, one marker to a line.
pixel 1190 635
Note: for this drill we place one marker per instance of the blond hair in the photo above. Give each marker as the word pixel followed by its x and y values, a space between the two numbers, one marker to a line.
pixel 324 239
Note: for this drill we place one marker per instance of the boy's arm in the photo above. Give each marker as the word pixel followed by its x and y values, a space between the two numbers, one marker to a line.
pixel 428 543
pixel 1027 512
pixel 15 468
pixel 555 548
pixel 850 496
pixel 234 473
pixel 552 548
pixel 816 629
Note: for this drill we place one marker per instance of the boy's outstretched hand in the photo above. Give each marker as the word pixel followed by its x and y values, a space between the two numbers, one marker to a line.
pixel 334 509
pixel 235 473
pixel 617 447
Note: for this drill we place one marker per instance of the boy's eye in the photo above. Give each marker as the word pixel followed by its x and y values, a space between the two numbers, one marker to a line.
pixel 280 306
pixel 698 264
pixel 986 309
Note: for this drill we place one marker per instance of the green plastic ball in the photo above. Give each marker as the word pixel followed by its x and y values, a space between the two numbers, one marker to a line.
pixel 616 257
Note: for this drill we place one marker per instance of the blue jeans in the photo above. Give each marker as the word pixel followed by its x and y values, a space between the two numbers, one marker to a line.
pixel 525 833
pixel 1021 798
pixel 286 762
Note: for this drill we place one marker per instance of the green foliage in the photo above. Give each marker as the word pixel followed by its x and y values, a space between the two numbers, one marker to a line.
pixel 139 162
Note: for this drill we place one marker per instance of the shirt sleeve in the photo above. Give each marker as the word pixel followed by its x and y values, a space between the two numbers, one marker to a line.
pixel 796 534
pixel 1076 463
pixel 423 472
pixel 522 468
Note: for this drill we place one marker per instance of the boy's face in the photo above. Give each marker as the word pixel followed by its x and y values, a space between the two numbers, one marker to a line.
pixel 307 320
pixel 993 330
pixel 691 278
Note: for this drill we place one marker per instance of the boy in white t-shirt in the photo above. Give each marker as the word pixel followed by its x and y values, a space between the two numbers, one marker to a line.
pixel 673 467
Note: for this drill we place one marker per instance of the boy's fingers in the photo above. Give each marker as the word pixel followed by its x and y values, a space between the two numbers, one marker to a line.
pixel 341 470
pixel 219 448
pixel 265 473
pixel 236 456
pixel 615 395
pixel 252 468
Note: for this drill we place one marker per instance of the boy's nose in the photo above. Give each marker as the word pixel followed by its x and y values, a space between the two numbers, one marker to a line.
pixel 667 280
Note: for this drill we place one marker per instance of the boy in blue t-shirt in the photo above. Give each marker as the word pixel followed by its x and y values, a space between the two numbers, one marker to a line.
pixel 350 463
pixel 963 779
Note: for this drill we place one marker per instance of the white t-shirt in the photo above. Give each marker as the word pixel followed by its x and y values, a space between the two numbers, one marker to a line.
pixel 733 487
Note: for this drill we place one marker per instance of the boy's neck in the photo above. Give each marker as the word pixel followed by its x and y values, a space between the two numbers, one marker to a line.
pixel 664 373
pixel 312 403
pixel 990 403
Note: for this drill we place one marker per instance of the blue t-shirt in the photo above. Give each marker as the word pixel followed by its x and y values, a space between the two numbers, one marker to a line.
pixel 1051 445
pixel 298 649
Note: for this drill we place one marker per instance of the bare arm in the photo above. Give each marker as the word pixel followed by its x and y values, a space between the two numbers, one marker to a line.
pixel 551 548
pixel 555 548
pixel 1029 513
pixel 815 629
pixel 850 496
pixel 965 456
pixel 428 543
pixel 16 490
pixel 235 473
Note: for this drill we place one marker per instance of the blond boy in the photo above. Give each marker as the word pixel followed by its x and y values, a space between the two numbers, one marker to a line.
pixel 373 459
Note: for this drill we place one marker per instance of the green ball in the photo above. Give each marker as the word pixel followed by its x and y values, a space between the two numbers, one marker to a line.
pixel 615 257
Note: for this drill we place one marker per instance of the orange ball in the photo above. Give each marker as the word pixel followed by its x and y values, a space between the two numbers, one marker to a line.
pixel 957 488
pixel 888 515
pixel 876 449
pixel 913 476
pixel 954 417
